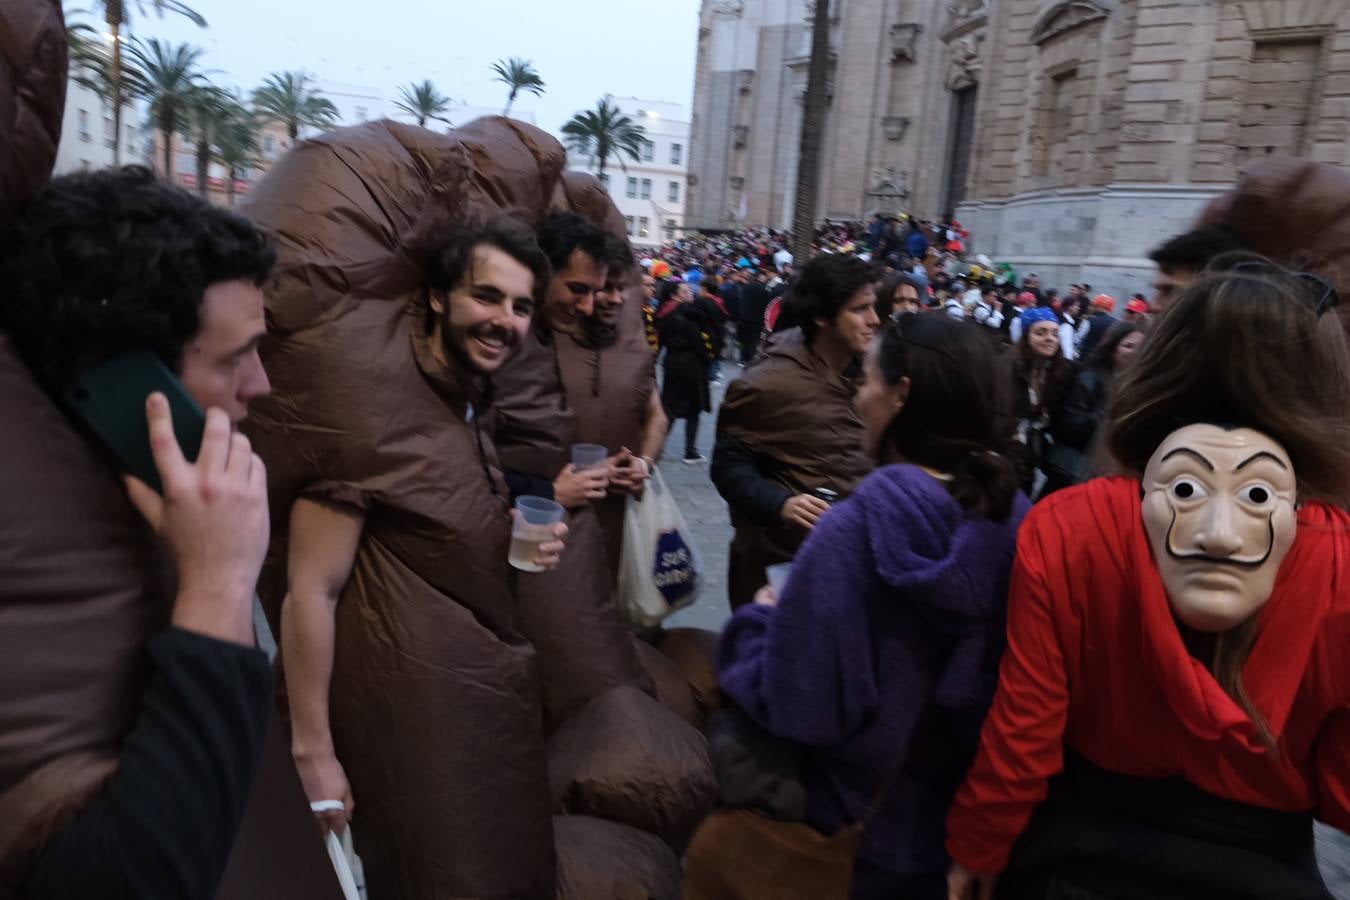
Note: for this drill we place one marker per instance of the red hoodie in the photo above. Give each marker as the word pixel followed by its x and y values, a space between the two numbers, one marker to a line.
pixel 1095 663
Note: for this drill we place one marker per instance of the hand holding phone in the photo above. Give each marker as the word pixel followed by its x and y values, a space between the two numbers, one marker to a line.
pixel 213 518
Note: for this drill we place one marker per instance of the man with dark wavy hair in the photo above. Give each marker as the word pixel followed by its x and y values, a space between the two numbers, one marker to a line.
pixel 787 428
pixel 135 703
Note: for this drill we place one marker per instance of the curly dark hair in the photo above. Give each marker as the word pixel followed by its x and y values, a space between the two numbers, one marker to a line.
pixel 99 264
pixel 561 234
pixel 824 287
pixel 450 262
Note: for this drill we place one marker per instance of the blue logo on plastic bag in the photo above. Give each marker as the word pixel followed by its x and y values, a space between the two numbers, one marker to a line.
pixel 674 573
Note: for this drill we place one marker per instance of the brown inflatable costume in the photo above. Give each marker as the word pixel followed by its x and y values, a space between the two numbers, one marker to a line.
pixel 82 585
pixel 436 696
pixel 796 415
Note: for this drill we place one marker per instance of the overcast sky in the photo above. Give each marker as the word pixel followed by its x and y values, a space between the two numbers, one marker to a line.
pixel 582 49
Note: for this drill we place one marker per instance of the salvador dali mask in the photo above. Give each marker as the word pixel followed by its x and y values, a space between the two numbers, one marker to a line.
pixel 1219 510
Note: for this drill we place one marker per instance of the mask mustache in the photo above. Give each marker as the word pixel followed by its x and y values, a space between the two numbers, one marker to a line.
pixel 1237 562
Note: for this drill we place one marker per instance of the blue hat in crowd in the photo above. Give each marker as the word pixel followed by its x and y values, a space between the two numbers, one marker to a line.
pixel 1038 314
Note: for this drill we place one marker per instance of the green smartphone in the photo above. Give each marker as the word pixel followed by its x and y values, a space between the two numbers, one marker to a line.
pixel 110 400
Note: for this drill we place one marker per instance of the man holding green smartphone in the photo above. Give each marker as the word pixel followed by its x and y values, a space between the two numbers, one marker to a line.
pixel 142 754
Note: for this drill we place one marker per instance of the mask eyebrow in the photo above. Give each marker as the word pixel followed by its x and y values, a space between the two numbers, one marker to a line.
pixel 1262 454
pixel 1186 451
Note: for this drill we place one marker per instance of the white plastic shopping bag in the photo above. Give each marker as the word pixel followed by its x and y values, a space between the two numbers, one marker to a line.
pixel 660 570
pixel 342 854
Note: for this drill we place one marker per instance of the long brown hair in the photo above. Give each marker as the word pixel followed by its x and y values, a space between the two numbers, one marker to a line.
pixel 1253 347
pixel 1058 370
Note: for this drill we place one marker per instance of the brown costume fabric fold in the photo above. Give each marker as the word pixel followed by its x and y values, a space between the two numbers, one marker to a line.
pixel 1295 211
pixel 32 97
pixel 600 860
pixel 82 589
pixel 797 417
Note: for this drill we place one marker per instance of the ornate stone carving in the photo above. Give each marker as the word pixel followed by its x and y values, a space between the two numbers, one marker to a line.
pixel 1066 16
pixel 966 61
pixel 745 79
pixel 736 182
pixel 888 190
pixel 730 8
pixel 692 178
pixel 904 41
pixel 963 16
pixel 894 127
pixel 740 135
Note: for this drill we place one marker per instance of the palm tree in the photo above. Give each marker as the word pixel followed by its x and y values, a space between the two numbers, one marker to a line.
pixel 207 113
pixel 423 102
pixel 813 127
pixel 115 15
pixel 603 132
pixel 286 97
pixel 170 81
pixel 237 146
pixel 519 75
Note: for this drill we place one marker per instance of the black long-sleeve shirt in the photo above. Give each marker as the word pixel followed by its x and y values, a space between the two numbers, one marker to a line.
pixel 165 824
pixel 738 478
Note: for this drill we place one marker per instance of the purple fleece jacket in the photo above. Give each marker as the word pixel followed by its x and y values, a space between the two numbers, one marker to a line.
pixel 883 650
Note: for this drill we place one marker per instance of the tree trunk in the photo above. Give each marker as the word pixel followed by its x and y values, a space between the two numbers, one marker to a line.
pixel 510 101
pixel 293 129
pixel 167 130
pixel 229 186
pixel 203 165
pixel 813 128
pixel 113 11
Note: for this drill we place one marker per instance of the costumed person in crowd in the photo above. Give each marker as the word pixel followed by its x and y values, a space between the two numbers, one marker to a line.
pixel 398 626
pixel 897 295
pixel 1078 416
pixel 685 394
pixel 708 300
pixel 1071 318
pixel 989 311
pixel 787 429
pixel 1174 705
pixel 609 376
pixel 1034 376
pixel 880 658
pixel 1100 319
pixel 437 706
pixel 1137 310
pixel 142 755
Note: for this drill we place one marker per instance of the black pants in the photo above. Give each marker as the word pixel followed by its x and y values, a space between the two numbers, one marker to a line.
pixel 691 436
pixel 747 335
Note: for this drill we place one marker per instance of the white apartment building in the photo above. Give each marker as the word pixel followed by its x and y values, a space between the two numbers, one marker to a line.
pixel 87 132
pixel 650 193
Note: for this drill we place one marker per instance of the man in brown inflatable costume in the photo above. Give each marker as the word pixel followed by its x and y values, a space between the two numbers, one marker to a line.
pixel 138 758
pixel 787 428
pixel 404 668
pixel 609 376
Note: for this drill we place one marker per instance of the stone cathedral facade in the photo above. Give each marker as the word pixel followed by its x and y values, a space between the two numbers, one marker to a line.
pixel 1070 136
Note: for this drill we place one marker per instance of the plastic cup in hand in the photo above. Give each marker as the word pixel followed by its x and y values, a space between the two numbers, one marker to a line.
pixel 778 576
pixel 589 456
pixel 535 518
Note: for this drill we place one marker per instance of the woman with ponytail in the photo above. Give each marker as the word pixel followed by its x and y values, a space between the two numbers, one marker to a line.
pixel 1173 710
pixel 879 659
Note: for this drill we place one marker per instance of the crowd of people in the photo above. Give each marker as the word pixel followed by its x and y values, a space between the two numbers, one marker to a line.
pixel 399 429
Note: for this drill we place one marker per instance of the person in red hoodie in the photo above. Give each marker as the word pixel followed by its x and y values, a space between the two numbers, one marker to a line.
pixel 1173 708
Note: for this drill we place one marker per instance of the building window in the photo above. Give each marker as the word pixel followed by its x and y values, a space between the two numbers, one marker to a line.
pixel 269 146
pixel 676 154
pixel 185 163
pixel 131 136
pixel 84 126
pixel 604 181
pixel 648 151
pixel 1278 101
pixel 644 227
pixel 646 189
pixel 109 132
pixel 361 114
pixel 1058 127
pixel 632 188
pixel 628 225
pixel 670 229
pixel 673 191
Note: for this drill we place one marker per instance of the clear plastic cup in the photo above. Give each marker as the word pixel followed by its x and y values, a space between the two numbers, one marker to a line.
pixel 535 518
pixel 589 456
pixel 778 576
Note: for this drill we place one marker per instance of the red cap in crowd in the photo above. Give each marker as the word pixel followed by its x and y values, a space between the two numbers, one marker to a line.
pixel 1104 302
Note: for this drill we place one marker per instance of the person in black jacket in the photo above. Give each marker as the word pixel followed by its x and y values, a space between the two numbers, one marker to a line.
pixel 1077 417
pixel 754 301
pixel 681 326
